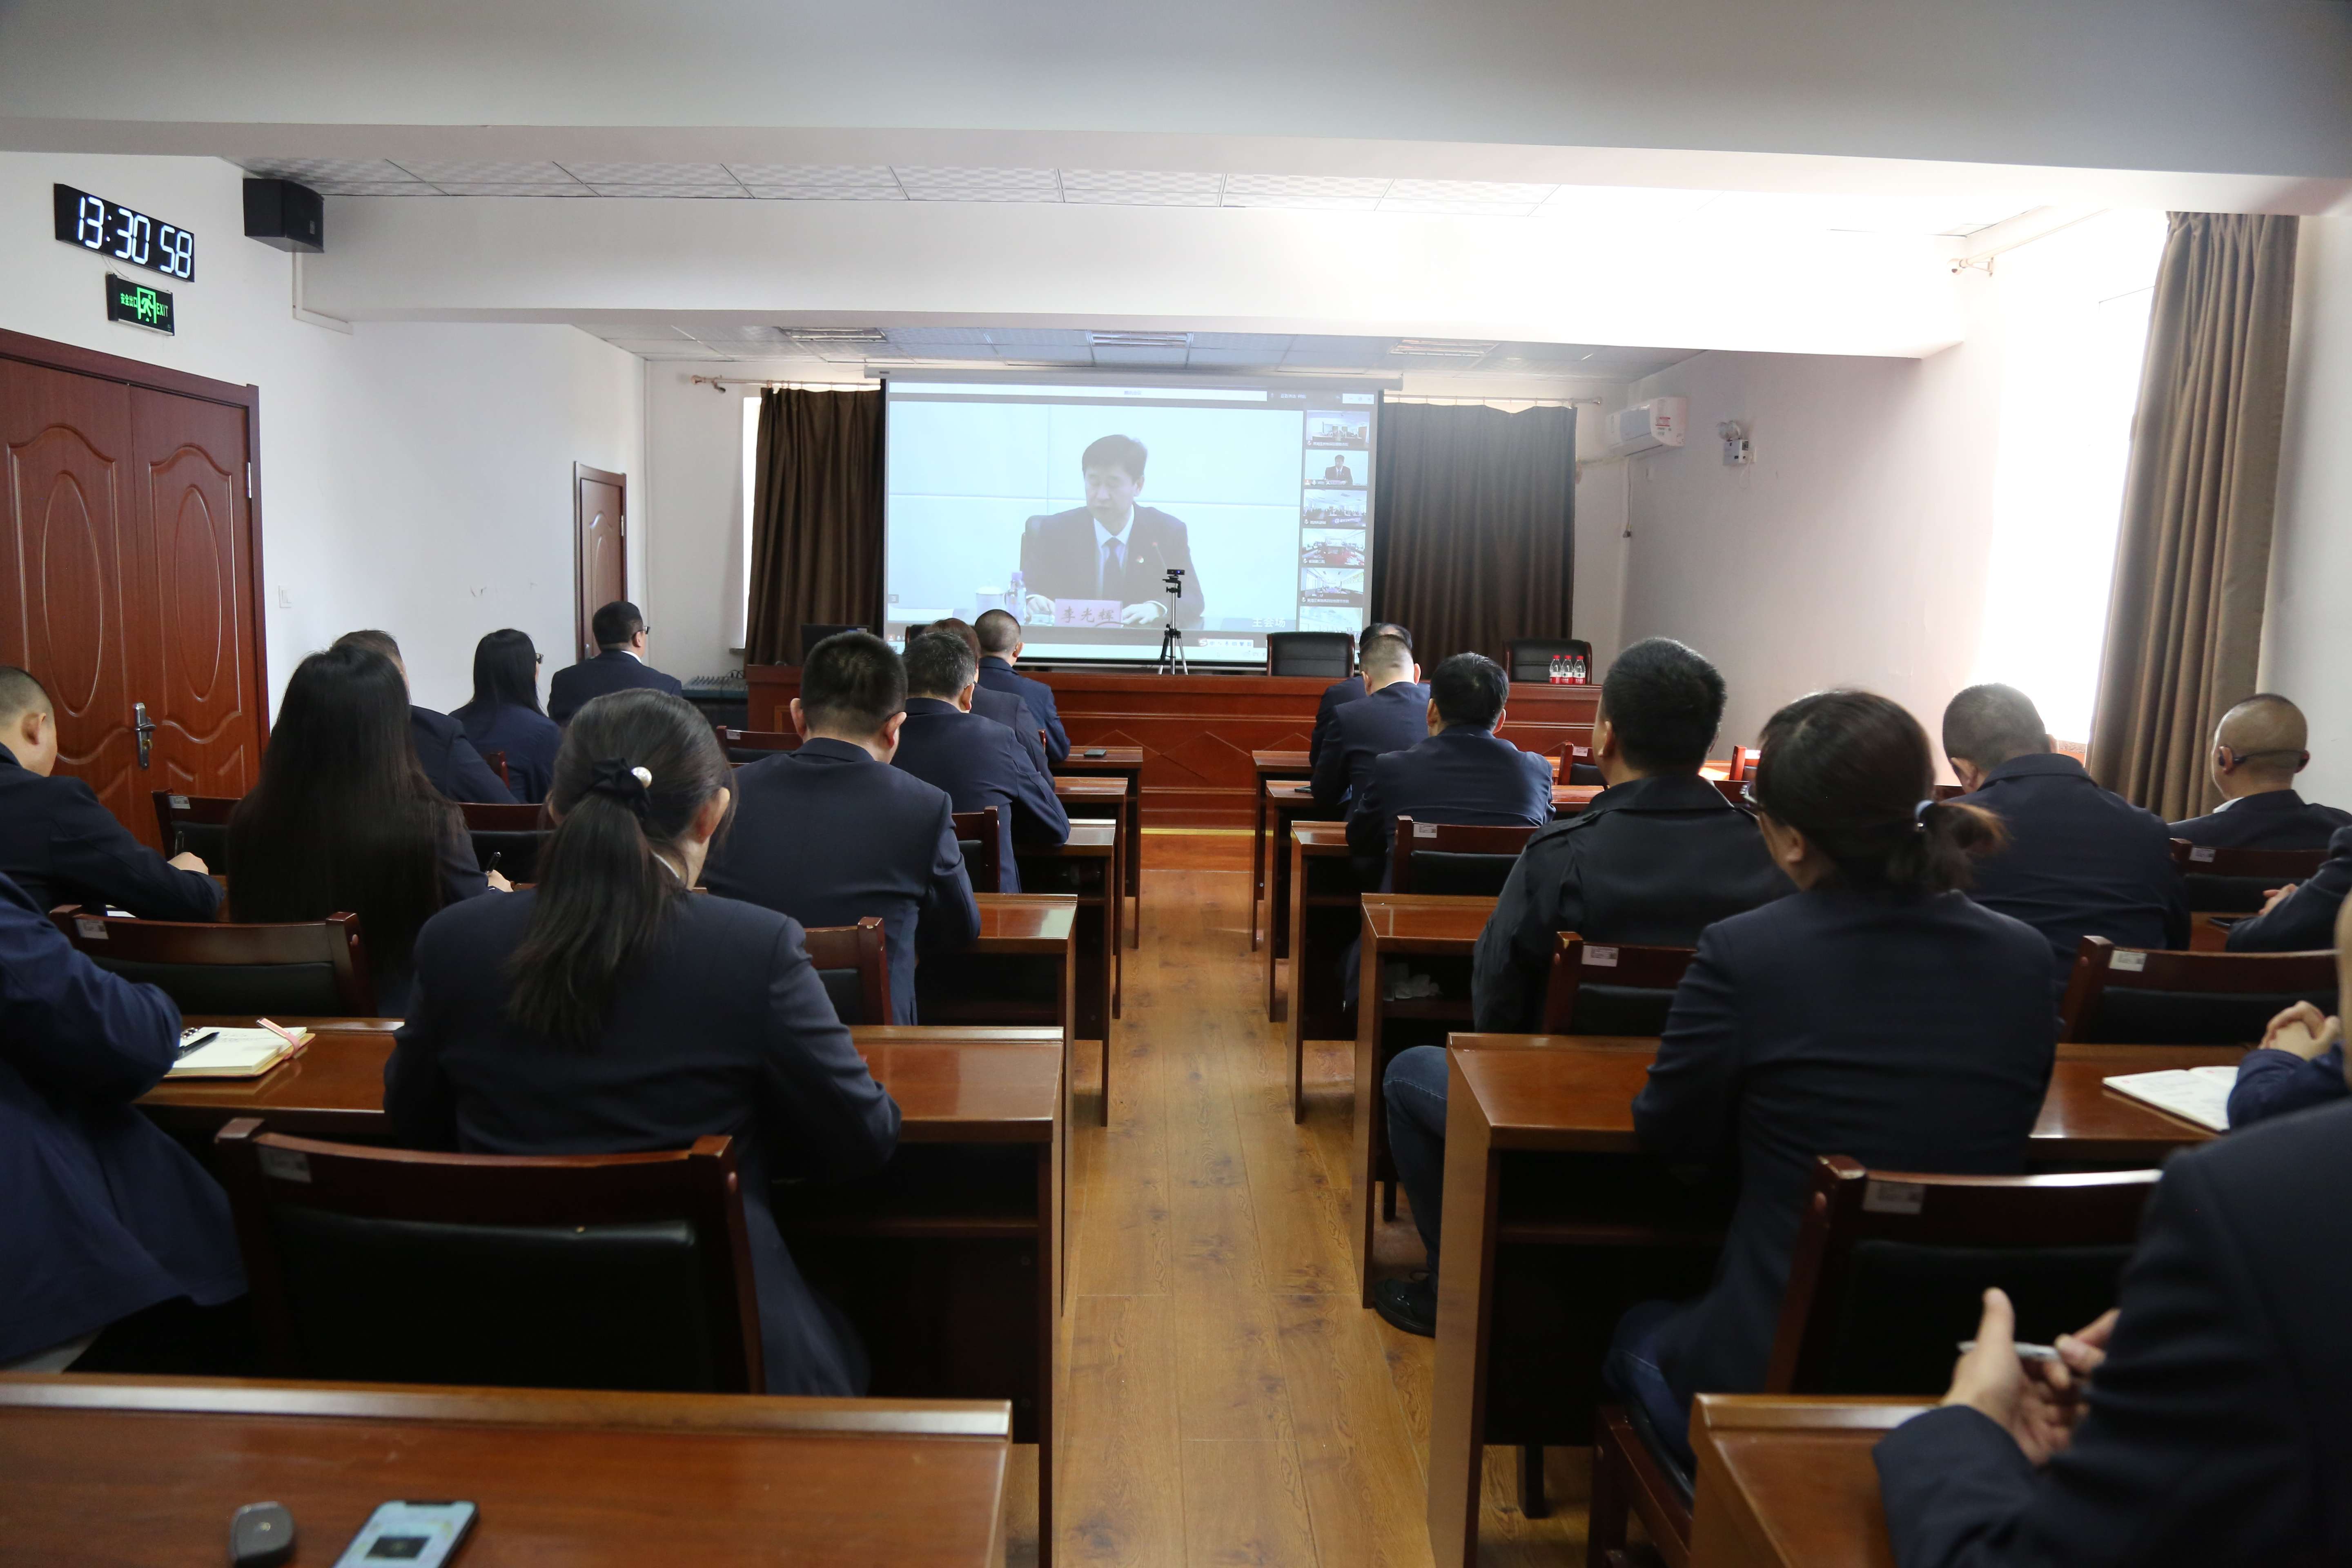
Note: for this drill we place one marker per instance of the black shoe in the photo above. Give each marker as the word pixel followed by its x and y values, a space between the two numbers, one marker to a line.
pixel 1408 1304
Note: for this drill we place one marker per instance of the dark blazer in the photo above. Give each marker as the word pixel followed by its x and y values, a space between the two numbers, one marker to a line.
pixel 723 1027
pixel 1459 775
pixel 1915 1034
pixel 1394 719
pixel 2304 921
pixel 1650 861
pixel 450 761
pixel 103 1214
pixel 1336 696
pixel 2081 860
pixel 828 836
pixel 529 739
pixel 2274 819
pixel 997 675
pixel 60 847
pixel 978 763
pixel 614 669
pixel 1012 713
pixel 2275 1083
pixel 1058 560
pixel 2214 1430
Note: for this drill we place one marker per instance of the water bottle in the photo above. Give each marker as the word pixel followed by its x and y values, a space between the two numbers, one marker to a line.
pixel 1576 673
pixel 1020 604
pixel 1558 670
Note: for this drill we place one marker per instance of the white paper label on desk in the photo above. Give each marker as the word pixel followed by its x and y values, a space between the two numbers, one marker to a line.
pixel 179 803
pixel 1601 957
pixel 1424 830
pixel 284 1164
pixel 1892 1197
pixel 2202 853
pixel 2131 962
pixel 91 928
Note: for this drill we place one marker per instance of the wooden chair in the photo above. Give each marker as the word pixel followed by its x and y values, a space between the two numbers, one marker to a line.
pixel 1888 1275
pixel 196 824
pixel 2132 995
pixel 853 961
pixel 497 762
pixel 2237 881
pixel 1449 857
pixel 512 835
pixel 314 969
pixel 563 1271
pixel 1743 764
pixel 975 834
pixel 755 745
pixel 1610 988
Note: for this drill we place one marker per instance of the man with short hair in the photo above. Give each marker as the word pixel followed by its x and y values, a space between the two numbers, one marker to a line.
pixel 620 664
pixel 61 845
pixel 1392 715
pixel 2081 860
pixel 1000 650
pixel 1656 857
pixel 2258 748
pixel 991 702
pixel 1463 773
pixel 1112 549
pixel 976 761
pixel 1339 693
pixel 448 757
pixel 831 834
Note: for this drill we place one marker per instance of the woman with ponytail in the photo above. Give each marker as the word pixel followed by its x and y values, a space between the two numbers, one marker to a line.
pixel 610 1009
pixel 1877 1014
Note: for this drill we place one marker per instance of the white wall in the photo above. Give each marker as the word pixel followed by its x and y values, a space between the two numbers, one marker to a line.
pixel 2306 640
pixel 415 477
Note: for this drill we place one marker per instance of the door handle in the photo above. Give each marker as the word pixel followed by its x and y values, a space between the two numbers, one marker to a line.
pixel 146 728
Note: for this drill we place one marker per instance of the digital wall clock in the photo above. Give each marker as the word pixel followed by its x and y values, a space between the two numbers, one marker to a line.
pixel 114 230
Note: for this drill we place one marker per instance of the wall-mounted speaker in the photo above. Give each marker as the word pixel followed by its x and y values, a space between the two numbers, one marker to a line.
pixel 282 214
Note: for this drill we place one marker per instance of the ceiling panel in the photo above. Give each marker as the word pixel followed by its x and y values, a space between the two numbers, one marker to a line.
pixel 402 188
pixel 343 171
pixel 1304 191
pixel 1457 208
pixel 925 184
pixel 651 174
pixel 1466 191
pixel 483 172
pixel 1142 187
pixel 728 192
pixel 448 188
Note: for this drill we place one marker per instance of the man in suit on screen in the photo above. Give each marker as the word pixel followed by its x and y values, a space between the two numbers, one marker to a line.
pixel 1112 548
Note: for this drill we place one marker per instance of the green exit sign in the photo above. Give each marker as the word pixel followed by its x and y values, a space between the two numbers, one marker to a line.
pixel 138 304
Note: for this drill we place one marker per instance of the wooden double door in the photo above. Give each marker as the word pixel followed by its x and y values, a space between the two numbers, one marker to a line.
pixel 127 571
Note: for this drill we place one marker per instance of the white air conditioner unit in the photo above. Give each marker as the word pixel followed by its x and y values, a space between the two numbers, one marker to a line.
pixel 1646 426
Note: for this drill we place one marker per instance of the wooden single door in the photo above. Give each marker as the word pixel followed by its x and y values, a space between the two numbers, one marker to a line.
pixel 600 511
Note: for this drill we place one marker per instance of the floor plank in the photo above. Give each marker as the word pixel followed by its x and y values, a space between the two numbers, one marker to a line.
pixel 1243 1504
pixel 1122 1502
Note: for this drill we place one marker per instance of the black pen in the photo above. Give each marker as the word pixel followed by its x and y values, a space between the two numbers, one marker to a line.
pixel 200 1037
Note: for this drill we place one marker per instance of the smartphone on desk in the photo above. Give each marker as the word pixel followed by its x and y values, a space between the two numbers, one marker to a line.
pixel 1095 752
pixel 423 1534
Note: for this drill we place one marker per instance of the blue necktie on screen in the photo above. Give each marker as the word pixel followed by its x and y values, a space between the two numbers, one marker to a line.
pixel 1114 568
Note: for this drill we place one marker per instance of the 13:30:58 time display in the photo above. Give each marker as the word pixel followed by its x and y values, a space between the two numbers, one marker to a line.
pixel 112 229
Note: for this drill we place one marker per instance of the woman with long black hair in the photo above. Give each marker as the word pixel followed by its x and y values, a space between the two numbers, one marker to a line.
pixel 610 1009
pixel 344 817
pixel 504 714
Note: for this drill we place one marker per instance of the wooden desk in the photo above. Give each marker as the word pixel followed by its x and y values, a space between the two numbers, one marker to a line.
pixel 1402 925
pixel 1788 1482
pixel 1107 799
pixel 1318 925
pixel 1125 763
pixel 1555 1222
pixel 582 1479
pixel 1085 867
pixel 1267 767
pixel 1286 803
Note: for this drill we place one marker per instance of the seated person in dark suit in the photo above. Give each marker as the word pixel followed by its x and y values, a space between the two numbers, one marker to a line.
pixel 2260 746
pixel 976 761
pixel 2082 862
pixel 59 845
pixel 2211 1430
pixel 444 753
pixel 619 666
pixel 1876 1012
pixel 1392 715
pixel 610 1009
pixel 1463 773
pixel 1111 548
pixel 831 833
pixel 1339 693
pixel 2300 1062
pixel 505 716
pixel 992 703
pixel 106 1218
pixel 1000 650
pixel 1657 858
pixel 2301 916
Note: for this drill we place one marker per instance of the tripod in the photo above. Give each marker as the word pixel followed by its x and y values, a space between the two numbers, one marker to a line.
pixel 1171 653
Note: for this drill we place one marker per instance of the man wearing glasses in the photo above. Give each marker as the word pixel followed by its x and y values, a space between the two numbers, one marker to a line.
pixel 619 665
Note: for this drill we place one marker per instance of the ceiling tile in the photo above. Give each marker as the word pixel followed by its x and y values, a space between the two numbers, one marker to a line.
pixel 728 192
pixel 402 188
pixel 934 184
pixel 815 174
pixel 341 170
pixel 650 173
pixel 1459 209
pixel 480 172
pixel 516 189
pixel 1466 191
pixel 1142 187
pixel 1327 191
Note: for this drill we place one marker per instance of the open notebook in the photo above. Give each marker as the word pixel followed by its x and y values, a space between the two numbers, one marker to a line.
pixel 2196 1094
pixel 235 1053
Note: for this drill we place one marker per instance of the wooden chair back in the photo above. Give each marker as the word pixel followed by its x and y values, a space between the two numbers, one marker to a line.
pixel 1743 764
pixel 1450 857
pixel 561 1272
pixel 755 745
pixel 497 762
pixel 976 836
pixel 853 961
pixel 512 835
pixel 2132 995
pixel 2237 881
pixel 315 969
pixel 194 824
pixel 1610 988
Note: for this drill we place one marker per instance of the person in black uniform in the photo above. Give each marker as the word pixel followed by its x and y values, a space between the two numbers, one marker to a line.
pixel 994 702
pixel 2211 1429
pixel 620 664
pixel 831 833
pixel 2258 748
pixel 61 845
pixel 1876 1013
pixel 1339 693
pixel 2081 860
pixel 1464 773
pixel 2300 1062
pixel 505 716
pixel 1656 857
pixel 1392 715
pixel 975 761
pixel 444 753
pixel 1000 650
pixel 610 1009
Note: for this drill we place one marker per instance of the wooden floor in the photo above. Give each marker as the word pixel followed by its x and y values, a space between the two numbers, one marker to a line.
pixel 1226 1401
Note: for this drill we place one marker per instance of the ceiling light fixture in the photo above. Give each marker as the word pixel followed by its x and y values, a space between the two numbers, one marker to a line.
pixel 1141 340
pixel 1441 348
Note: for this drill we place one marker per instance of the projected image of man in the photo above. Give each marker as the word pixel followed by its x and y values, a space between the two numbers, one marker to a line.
pixel 1113 548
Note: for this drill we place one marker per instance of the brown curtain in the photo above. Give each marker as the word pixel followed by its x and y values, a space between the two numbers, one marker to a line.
pixel 1475 526
pixel 2192 558
pixel 816 522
